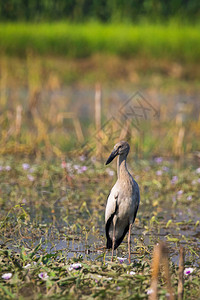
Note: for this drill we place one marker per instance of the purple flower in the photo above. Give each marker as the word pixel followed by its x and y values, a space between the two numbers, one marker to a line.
pixel 179 193
pixel 30 177
pixel 188 271
pixel 189 198
pixel 158 160
pixel 43 276
pixel 159 173
pixel 165 169
pixel 6 276
pixel 121 259
pixel 25 166
pixel 174 179
pixel 150 291
pixel 83 168
pixel 75 266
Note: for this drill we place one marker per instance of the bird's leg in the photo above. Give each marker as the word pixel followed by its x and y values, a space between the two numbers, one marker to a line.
pixel 113 241
pixel 129 244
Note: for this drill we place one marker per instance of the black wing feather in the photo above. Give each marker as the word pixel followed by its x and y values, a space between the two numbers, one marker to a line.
pixel 108 223
pixel 118 242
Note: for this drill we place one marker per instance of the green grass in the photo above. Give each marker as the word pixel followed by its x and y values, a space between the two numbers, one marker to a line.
pixel 169 41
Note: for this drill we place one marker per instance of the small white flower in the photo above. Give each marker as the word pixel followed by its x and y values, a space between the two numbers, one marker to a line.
pixel 132 273
pixel 198 171
pixel 189 198
pixel 76 167
pixel 150 291
pixel 109 278
pixel 188 271
pixel 27 266
pixel 6 276
pixel 75 266
pixel 7 168
pixel 43 276
pixel 110 172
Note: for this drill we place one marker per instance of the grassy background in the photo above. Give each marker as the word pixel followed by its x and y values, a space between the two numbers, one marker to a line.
pixel 171 41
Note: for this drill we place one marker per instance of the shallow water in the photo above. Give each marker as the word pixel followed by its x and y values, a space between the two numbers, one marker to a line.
pixel 60 238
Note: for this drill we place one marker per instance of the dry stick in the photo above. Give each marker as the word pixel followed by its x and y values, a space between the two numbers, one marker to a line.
pixel 155 271
pixel 180 274
pixel 98 115
pixel 78 129
pixel 18 121
pixel 165 260
pixel 160 254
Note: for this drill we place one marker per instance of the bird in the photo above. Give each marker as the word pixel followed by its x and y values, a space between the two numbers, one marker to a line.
pixel 123 201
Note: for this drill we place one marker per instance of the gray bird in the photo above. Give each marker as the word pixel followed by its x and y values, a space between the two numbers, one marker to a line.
pixel 123 201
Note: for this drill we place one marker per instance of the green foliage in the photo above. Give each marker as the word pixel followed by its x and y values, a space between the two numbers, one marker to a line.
pixel 102 10
pixel 170 41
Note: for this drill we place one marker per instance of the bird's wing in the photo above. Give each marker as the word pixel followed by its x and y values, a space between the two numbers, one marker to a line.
pixel 111 210
pixel 111 203
pixel 137 202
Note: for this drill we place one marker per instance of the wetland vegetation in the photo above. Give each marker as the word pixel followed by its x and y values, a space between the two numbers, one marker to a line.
pixel 68 93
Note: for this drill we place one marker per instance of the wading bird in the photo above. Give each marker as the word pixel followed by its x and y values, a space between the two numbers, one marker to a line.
pixel 123 201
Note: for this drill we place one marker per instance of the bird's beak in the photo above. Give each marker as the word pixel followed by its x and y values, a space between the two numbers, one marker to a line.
pixel 113 154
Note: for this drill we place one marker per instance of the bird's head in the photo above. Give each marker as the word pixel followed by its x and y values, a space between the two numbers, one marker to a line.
pixel 121 148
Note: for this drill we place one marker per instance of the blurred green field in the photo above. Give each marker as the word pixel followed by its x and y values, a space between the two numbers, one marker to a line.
pixel 63 105
pixel 168 41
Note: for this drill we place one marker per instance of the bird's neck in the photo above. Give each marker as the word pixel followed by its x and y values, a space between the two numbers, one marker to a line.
pixel 122 170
